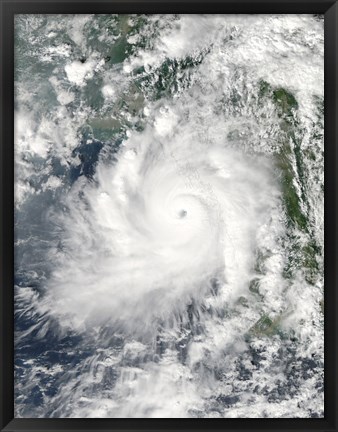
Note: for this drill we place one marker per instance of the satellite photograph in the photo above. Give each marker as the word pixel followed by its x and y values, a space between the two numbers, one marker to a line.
pixel 169 216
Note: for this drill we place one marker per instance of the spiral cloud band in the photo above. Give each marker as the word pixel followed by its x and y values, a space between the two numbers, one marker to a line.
pixel 168 217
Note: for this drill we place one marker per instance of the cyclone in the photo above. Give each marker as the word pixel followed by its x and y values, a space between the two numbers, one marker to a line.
pixel 161 223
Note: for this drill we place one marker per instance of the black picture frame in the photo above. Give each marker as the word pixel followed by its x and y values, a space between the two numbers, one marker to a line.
pixel 11 7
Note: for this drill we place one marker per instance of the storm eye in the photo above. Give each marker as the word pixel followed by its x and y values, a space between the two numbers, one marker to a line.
pixel 182 214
